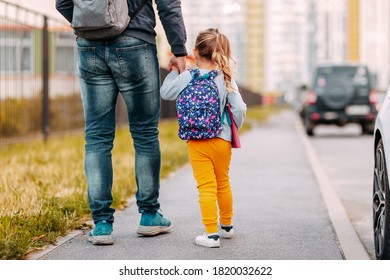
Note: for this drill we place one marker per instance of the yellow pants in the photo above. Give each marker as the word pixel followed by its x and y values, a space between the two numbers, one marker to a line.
pixel 210 160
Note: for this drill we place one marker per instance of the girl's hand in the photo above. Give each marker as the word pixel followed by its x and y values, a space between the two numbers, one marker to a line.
pixel 173 67
pixel 177 63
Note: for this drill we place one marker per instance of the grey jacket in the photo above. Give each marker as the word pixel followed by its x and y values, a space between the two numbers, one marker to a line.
pixel 142 26
pixel 175 83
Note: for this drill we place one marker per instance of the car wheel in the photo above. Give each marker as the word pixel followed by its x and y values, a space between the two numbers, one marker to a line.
pixel 381 203
pixel 367 129
pixel 338 94
pixel 309 127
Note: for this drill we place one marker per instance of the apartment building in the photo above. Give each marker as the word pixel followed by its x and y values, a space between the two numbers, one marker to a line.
pixel 286 52
pixel 374 39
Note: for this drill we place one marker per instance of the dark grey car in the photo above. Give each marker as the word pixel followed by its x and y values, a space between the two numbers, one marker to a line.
pixel 340 94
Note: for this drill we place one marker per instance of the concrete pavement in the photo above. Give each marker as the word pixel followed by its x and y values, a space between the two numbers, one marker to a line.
pixel 279 211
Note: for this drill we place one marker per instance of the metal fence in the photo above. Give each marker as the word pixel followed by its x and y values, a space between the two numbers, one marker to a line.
pixel 38 84
pixel 39 88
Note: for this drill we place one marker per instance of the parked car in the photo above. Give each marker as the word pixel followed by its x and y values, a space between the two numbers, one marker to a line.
pixel 380 98
pixel 381 193
pixel 339 95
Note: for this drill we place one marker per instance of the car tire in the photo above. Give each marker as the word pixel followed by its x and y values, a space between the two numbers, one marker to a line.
pixel 309 127
pixel 367 129
pixel 381 204
pixel 338 94
pixel 309 132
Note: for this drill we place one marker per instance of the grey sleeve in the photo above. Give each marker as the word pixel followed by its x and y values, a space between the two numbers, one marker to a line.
pixel 174 84
pixel 65 8
pixel 170 14
pixel 238 105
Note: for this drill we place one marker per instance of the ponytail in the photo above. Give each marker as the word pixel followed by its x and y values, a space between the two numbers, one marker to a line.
pixel 222 57
pixel 215 46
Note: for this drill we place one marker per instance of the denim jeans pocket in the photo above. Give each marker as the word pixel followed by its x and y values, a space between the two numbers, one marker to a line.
pixel 133 61
pixel 86 62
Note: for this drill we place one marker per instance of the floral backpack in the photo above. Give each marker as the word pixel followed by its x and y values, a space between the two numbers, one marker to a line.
pixel 198 109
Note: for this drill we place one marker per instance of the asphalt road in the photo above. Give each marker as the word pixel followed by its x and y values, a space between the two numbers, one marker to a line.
pixel 279 209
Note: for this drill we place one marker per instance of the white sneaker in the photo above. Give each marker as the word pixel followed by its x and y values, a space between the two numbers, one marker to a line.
pixel 208 240
pixel 226 231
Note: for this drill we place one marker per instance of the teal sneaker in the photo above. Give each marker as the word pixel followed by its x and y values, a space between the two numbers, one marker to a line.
pixel 153 224
pixel 101 234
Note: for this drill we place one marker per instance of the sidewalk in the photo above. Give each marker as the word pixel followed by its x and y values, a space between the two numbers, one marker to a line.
pixel 279 213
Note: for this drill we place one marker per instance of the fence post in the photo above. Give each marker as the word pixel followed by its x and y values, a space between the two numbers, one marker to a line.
pixel 45 80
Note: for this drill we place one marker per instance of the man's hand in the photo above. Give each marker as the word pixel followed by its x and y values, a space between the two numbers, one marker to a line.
pixel 177 63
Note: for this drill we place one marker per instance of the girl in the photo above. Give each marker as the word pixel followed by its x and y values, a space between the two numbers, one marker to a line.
pixel 210 158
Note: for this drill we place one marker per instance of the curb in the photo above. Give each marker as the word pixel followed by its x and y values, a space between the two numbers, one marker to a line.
pixel 60 241
pixel 350 243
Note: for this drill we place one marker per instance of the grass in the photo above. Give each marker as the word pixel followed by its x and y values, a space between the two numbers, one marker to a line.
pixel 261 114
pixel 44 194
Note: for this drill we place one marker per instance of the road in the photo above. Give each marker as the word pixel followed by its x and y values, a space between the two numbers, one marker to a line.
pixel 348 159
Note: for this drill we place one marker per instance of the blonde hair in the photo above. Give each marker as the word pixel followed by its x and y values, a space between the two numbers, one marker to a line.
pixel 215 47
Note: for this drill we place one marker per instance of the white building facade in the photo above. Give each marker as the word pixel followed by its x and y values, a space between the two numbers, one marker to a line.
pixel 229 16
pixel 286 59
pixel 375 39
pixel 331 31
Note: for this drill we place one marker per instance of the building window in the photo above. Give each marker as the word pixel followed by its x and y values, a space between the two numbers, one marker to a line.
pixel 26 59
pixel 65 53
pixel 15 51
pixel 7 59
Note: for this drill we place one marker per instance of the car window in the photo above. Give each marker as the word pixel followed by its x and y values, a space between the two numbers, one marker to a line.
pixel 357 76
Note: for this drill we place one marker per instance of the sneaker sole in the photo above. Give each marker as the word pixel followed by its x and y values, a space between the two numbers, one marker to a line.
pixel 226 235
pixel 101 240
pixel 207 244
pixel 150 230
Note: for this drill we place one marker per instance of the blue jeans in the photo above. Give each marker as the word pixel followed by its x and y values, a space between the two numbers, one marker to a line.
pixel 129 66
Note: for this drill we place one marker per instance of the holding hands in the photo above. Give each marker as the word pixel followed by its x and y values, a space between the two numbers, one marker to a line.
pixel 177 63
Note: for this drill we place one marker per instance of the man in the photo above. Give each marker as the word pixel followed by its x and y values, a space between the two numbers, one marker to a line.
pixel 127 64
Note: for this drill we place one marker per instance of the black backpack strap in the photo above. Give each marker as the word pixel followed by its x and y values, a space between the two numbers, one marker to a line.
pixel 139 8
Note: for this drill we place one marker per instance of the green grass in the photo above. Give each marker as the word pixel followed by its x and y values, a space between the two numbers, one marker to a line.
pixel 261 114
pixel 44 194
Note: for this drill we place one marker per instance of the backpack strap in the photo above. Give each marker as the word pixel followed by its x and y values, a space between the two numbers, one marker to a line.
pixel 195 73
pixel 139 8
pixel 225 113
pixel 212 74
